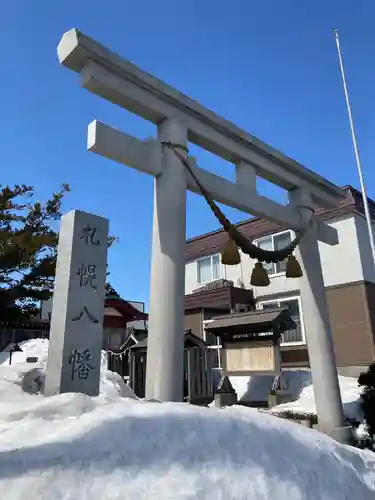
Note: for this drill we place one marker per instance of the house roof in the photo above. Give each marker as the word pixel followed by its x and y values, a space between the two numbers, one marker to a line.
pixel 255 227
pixel 127 310
pixel 224 297
pixel 189 336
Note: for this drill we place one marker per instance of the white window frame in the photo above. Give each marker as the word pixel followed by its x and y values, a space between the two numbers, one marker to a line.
pixel 221 267
pixel 218 345
pixel 271 237
pixel 286 299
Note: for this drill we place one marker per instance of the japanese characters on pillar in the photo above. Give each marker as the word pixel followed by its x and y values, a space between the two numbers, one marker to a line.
pixel 76 333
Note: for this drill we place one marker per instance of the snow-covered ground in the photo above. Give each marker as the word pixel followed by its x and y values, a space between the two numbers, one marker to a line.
pixel 32 348
pixel 71 446
pixel 301 390
pixel 305 404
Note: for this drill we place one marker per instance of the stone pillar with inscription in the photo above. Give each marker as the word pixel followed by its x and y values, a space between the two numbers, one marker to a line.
pixel 76 334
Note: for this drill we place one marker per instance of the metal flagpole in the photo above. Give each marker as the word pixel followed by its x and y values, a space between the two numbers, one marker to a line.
pixel 356 152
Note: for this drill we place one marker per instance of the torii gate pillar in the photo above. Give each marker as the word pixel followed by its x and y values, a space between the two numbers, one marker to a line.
pixel 318 328
pixel 165 345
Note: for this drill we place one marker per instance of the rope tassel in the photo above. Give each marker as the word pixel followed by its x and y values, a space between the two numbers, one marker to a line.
pixel 259 276
pixel 230 255
pixel 293 268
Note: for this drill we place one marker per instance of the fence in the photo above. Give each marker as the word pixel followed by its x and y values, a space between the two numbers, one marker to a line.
pixel 137 379
pixel 119 362
pixel 198 372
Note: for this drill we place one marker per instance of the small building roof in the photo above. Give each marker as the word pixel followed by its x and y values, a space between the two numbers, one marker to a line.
pixel 253 322
pixel 189 338
pixel 126 309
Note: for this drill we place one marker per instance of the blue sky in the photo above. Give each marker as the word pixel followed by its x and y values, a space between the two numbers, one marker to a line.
pixel 269 66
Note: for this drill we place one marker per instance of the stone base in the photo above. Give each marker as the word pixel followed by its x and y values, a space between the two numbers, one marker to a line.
pixel 225 394
pixel 278 399
pixel 225 399
pixel 343 434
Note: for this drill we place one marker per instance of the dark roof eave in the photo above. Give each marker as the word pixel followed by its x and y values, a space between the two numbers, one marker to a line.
pixel 352 203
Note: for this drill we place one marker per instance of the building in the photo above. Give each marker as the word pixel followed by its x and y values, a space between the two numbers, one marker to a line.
pixel 349 278
pixel 123 321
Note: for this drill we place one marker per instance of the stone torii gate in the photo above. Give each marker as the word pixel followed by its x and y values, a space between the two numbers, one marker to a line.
pixel 180 119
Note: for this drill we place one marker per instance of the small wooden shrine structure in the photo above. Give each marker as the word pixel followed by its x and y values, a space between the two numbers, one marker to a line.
pixel 251 340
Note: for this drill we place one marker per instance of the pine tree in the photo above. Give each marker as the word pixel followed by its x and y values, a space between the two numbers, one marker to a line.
pixel 111 292
pixel 28 250
pixel 28 247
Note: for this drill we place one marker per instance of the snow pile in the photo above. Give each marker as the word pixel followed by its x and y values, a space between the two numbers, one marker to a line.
pixel 35 348
pixel 111 384
pixel 71 446
pixel 113 447
pixel 30 348
pixel 258 387
pixel 300 391
pixel 110 447
pixel 252 389
pixel 305 404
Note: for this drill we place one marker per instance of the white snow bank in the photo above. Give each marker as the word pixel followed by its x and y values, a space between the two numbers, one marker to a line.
pixel 71 446
pixel 257 388
pixel 252 389
pixel 35 348
pixel 305 404
pixel 30 348
pixel 11 376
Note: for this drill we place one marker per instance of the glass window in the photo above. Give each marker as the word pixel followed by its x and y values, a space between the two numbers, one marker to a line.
pixel 204 270
pixel 275 242
pixel 216 267
pixel 216 358
pixel 270 305
pixel 214 344
pixel 211 339
pixel 294 335
pixel 209 269
pixel 267 244
pixel 281 241
pixel 292 305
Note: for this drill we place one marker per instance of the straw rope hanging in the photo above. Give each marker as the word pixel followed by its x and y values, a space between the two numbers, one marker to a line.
pixel 230 254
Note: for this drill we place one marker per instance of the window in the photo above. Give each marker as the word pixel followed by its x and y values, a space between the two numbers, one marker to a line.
pixel 275 242
pixel 213 343
pixel 209 269
pixel 295 336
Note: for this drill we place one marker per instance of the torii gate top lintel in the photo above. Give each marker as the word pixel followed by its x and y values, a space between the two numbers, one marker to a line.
pixel 107 74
